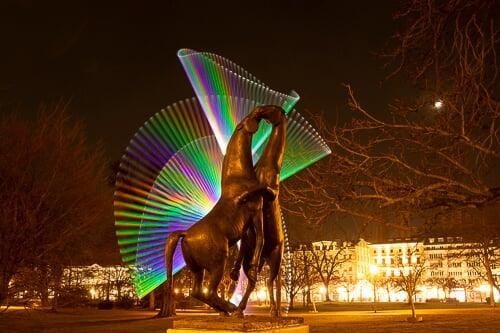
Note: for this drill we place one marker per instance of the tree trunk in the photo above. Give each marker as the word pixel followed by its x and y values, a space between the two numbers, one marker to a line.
pixel 57 273
pixel 108 289
pixel 327 293
pixel 291 301
pixel 119 291
pixel 43 285
pixel 487 266
pixel 306 277
pixel 44 297
pixel 492 296
pixel 152 305
pixel 4 288
pixel 412 304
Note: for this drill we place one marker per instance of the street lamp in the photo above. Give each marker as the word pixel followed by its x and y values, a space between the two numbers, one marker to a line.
pixel 374 270
pixel 262 295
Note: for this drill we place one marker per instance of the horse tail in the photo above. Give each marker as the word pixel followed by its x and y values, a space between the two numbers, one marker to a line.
pixel 170 246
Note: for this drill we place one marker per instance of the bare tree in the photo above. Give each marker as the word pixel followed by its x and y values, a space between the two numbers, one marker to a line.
pixel 388 283
pixel 487 255
pixel 184 280
pixel 53 191
pixel 447 284
pixel 327 261
pixel 481 245
pixel 410 269
pixel 429 153
pixel 122 280
pixel 485 249
pixel 297 278
pixel 349 284
pixel 468 285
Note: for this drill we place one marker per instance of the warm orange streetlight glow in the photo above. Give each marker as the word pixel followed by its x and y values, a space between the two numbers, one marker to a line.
pixel 374 270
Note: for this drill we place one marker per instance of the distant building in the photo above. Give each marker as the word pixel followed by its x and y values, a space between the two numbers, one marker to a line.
pixel 451 270
pixel 102 282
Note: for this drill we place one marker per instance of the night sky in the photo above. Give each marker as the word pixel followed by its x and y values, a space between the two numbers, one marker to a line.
pixel 116 61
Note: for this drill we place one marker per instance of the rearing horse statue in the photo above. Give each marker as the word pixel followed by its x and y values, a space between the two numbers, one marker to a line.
pixel 205 245
pixel 267 170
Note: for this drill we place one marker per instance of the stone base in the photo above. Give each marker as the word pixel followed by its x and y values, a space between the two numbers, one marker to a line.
pixel 255 324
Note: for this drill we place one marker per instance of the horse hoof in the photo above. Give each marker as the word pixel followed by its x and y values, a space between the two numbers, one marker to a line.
pixel 238 314
pixel 231 307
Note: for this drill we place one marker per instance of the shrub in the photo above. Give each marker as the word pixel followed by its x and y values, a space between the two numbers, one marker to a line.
pixel 125 302
pixel 105 305
pixel 73 297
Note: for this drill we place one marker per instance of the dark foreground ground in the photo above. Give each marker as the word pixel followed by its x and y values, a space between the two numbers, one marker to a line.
pixel 454 319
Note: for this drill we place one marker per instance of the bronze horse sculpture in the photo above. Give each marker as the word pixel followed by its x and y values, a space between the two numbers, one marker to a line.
pixel 268 174
pixel 205 245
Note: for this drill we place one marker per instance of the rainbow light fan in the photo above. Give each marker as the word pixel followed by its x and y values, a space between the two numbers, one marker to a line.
pixel 169 176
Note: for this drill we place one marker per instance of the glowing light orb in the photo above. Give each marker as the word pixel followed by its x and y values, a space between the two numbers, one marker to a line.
pixel 438 104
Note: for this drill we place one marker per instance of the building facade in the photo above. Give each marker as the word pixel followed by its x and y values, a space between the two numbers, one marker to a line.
pixel 449 268
pixel 360 271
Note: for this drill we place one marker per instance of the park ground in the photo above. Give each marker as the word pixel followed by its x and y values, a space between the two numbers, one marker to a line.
pixel 330 318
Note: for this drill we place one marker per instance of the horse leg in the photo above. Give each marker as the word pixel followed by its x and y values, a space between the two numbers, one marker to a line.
pixel 205 297
pixel 250 288
pixel 212 298
pixel 257 221
pixel 235 271
pixel 246 245
pixel 274 270
pixel 197 291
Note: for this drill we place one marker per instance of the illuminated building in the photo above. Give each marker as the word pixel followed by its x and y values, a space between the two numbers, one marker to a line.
pixel 448 272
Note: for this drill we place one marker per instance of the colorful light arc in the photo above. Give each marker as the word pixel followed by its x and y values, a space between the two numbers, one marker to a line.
pixel 228 93
pixel 169 176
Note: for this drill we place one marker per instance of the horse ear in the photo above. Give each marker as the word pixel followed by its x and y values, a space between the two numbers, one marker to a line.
pixel 265 191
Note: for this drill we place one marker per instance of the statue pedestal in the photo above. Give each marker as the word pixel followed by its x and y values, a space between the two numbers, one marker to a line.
pixel 254 324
